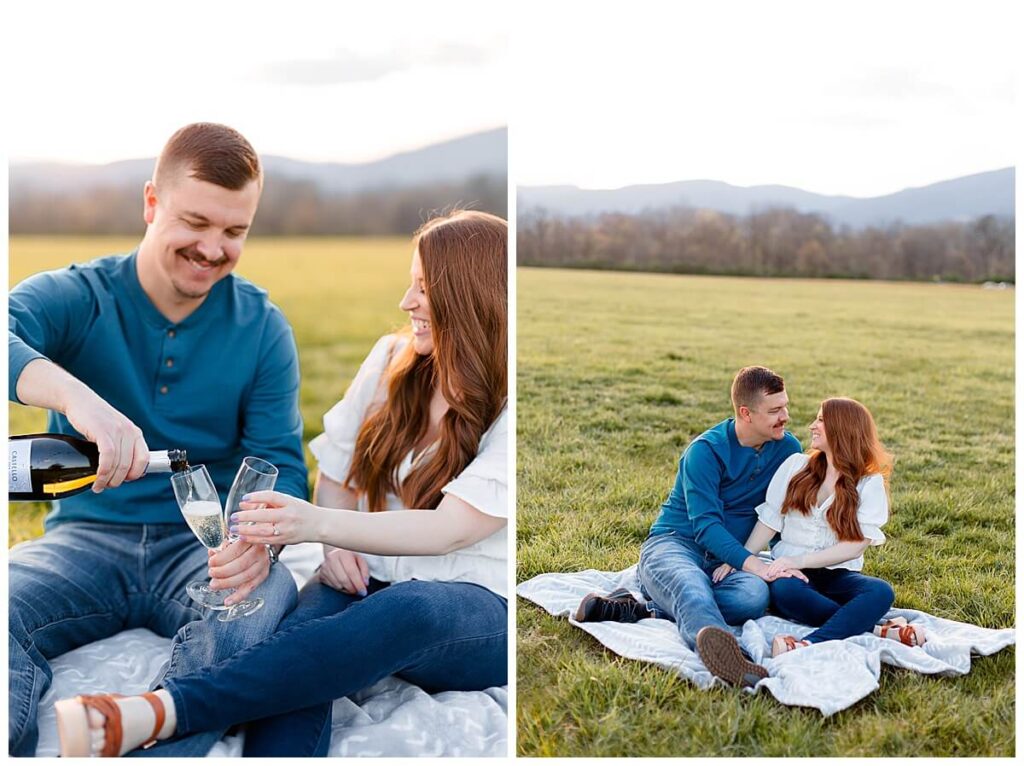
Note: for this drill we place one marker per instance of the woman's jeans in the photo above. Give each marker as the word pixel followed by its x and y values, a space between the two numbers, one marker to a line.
pixel 675 575
pixel 84 581
pixel 838 602
pixel 439 636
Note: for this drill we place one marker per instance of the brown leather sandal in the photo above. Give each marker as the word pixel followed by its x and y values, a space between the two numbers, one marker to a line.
pixel 782 644
pixel 898 630
pixel 76 734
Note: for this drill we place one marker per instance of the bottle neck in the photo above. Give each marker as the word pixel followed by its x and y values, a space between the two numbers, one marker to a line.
pixel 166 461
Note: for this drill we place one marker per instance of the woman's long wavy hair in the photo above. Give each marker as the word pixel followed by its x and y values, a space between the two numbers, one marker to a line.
pixel 465 270
pixel 856 453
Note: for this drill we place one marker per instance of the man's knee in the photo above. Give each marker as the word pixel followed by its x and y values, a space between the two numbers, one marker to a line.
pixel 279 596
pixel 209 640
pixel 758 593
pixel 279 589
pixel 749 596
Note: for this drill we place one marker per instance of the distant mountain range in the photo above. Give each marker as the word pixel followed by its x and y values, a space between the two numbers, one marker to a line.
pixel 958 199
pixel 478 154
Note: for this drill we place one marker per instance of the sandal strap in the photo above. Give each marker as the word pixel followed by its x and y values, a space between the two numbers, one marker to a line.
pixel 112 730
pixel 907 635
pixel 159 712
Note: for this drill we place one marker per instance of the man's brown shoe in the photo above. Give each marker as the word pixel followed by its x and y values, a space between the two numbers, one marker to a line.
pixel 721 654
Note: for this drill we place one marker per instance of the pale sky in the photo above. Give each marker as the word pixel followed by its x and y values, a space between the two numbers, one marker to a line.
pixel 836 97
pixel 338 81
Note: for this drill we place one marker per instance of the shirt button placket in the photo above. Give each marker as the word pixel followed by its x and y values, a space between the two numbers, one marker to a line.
pixel 163 377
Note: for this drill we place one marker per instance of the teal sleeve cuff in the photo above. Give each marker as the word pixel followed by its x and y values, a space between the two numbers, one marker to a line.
pixel 19 354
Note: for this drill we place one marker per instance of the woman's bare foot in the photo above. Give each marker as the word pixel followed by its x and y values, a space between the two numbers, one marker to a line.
pixel 85 723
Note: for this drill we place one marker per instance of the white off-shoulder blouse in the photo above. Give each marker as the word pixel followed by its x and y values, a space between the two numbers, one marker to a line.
pixel 802 534
pixel 483 483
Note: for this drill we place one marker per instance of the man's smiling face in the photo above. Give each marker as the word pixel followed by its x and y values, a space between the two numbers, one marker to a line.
pixel 198 229
pixel 769 416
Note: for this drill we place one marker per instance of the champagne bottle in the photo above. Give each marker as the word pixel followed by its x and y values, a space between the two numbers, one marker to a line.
pixel 52 466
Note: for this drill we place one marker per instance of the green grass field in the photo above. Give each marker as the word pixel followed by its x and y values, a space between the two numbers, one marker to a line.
pixel 339 294
pixel 618 372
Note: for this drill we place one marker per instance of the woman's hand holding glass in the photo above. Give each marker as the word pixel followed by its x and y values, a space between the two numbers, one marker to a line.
pixel 274 518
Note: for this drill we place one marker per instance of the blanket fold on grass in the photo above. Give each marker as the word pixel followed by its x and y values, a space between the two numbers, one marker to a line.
pixel 830 676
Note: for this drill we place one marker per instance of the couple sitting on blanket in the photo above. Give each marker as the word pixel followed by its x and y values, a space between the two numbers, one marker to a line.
pixel 165 346
pixel 739 485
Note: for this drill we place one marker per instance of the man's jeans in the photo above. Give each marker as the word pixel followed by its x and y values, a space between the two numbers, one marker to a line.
pixel 84 581
pixel 441 636
pixel 675 576
pixel 840 603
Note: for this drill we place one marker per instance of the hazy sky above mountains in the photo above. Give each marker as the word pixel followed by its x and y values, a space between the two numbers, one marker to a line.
pixel 859 98
pixel 327 81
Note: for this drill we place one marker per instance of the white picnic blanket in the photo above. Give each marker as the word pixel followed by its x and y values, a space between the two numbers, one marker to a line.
pixel 391 718
pixel 829 676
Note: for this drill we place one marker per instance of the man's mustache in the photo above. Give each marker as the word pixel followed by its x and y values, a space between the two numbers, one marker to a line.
pixel 192 254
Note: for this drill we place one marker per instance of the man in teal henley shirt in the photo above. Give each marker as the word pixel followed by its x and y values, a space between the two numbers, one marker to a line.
pixel 160 348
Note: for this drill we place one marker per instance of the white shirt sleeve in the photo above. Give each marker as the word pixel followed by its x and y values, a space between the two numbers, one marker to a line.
pixel 484 482
pixel 769 512
pixel 873 511
pixel 333 449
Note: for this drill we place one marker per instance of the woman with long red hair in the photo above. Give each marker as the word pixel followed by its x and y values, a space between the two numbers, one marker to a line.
pixel 411 506
pixel 828 506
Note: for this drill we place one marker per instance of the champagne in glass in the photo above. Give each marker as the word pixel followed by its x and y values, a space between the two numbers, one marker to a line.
pixel 205 520
pixel 200 505
pixel 253 475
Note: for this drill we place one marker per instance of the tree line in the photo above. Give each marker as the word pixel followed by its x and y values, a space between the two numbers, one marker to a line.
pixel 287 207
pixel 776 242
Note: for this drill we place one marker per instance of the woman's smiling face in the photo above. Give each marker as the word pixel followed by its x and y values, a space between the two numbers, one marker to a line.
pixel 417 305
pixel 819 438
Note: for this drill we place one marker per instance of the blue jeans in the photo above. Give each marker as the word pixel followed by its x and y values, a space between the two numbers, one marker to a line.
pixel 838 602
pixel 675 575
pixel 438 635
pixel 84 581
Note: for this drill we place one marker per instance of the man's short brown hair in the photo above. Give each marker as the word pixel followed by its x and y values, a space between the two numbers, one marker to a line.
pixel 751 383
pixel 210 152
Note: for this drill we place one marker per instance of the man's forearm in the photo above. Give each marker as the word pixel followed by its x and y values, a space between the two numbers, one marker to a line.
pixel 717 539
pixel 754 565
pixel 44 384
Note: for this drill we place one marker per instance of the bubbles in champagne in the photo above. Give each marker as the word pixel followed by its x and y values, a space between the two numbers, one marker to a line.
pixel 205 519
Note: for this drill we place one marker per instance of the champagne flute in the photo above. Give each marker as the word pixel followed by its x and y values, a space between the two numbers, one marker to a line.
pixel 253 475
pixel 200 505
